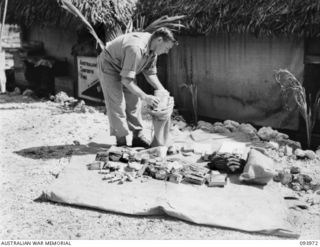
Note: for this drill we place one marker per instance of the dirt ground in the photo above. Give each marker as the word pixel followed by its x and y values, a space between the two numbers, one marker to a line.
pixel 38 139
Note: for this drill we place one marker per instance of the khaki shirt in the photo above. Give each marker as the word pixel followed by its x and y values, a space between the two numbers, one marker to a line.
pixel 129 54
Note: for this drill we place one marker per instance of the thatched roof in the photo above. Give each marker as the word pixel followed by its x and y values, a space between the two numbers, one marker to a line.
pixel 48 12
pixel 261 17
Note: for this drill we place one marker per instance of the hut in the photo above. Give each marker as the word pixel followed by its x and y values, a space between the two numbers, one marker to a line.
pixel 62 36
pixel 230 50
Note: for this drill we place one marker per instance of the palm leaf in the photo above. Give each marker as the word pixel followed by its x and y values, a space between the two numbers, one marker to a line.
pixel 290 84
pixel 172 23
pixel 67 4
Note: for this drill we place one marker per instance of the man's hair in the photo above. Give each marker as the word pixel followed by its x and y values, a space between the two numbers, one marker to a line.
pixel 164 33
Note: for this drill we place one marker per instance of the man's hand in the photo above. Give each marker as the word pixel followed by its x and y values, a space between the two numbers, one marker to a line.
pixel 151 100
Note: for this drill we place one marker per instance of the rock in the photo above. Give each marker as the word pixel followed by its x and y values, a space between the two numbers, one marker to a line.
pixel 293 144
pixel 273 145
pixel 306 187
pixel 288 150
pixel 61 97
pixel 277 177
pixel 315 186
pixel 286 178
pixel 205 126
pixel 218 124
pixel 91 110
pixel 28 92
pixel 281 137
pixel 230 127
pixel 299 153
pixel 81 107
pixel 296 186
pixel 310 154
pixel 181 124
pixel 16 91
pixel 172 150
pixel 294 170
pixel 231 123
pixel 307 178
pixel 221 129
pixel 77 143
pixel 266 133
pixel 249 130
pixel 298 178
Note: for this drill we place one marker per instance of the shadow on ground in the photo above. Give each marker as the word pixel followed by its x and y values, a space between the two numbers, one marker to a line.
pixel 60 151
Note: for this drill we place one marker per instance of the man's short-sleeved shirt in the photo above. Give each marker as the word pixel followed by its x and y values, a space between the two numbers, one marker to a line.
pixel 129 54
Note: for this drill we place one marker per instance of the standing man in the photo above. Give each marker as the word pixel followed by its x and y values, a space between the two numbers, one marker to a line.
pixel 118 64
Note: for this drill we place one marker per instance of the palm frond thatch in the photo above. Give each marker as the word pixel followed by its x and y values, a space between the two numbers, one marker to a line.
pixel 48 13
pixel 67 4
pixel 260 17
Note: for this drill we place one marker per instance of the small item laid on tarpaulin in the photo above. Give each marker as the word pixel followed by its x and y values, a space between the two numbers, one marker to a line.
pixel 175 177
pixel 172 150
pixel 102 156
pixel 188 147
pixel 114 156
pixel 259 169
pixel 235 148
pixel 115 179
pixel 294 170
pixel 161 175
pixel 206 157
pixel 145 164
pixel 217 180
pixel 150 171
pixel 111 166
pixel 160 151
pixel 97 165
pixel 108 177
pixel 194 179
pixel 227 163
pixel 104 171
pixel 203 148
pixel 125 157
pixel 135 166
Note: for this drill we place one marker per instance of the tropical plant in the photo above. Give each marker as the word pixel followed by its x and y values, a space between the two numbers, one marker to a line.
pixel 291 86
pixel 191 86
pixel 193 90
pixel 67 4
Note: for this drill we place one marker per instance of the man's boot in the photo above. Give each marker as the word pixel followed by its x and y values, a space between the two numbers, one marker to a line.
pixel 121 141
pixel 139 140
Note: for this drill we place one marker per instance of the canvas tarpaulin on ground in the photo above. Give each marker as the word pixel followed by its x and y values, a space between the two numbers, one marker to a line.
pixel 237 206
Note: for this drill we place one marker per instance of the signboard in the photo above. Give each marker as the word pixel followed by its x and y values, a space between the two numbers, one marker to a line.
pixel 10 38
pixel 88 82
pixel 10 42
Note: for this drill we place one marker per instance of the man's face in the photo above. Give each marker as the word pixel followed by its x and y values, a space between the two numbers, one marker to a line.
pixel 162 47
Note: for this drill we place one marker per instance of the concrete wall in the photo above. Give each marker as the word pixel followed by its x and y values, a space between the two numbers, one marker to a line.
pixel 234 76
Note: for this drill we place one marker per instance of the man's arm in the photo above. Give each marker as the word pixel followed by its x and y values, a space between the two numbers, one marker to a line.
pixel 136 90
pixel 153 80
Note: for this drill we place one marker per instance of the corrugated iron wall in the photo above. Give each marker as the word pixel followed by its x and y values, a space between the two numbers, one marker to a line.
pixel 234 76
